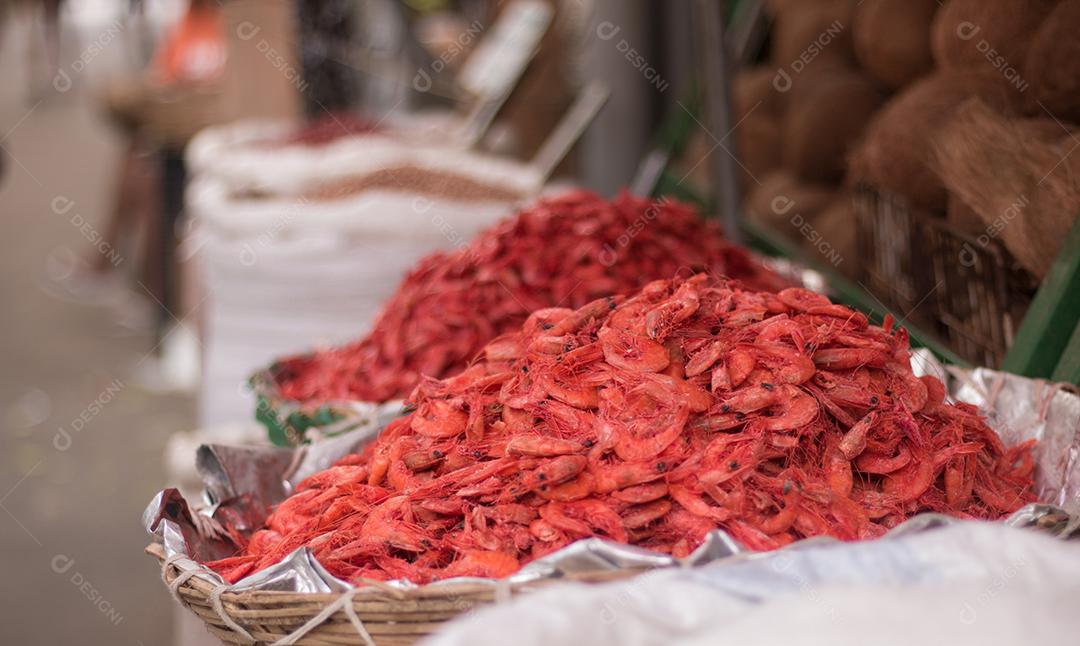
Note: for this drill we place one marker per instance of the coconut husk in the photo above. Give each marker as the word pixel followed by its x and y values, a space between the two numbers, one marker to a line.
pixel 891 39
pixel 809 34
pixel 823 121
pixel 963 217
pixel 990 36
pixel 1052 69
pixel 784 202
pixel 754 91
pixel 1025 190
pixel 895 153
pixel 833 239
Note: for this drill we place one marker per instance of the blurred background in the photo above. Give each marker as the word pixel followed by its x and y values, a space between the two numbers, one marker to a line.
pixel 195 188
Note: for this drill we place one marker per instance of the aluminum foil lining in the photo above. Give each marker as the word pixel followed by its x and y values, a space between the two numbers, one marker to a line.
pixel 242 483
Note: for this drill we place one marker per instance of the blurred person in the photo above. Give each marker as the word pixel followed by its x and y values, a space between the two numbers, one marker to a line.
pixel 42 44
pixel 156 112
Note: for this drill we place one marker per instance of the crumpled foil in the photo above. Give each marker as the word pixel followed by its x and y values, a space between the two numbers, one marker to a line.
pixel 243 483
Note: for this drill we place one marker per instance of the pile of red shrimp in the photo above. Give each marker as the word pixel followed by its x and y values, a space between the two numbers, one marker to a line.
pixel 564 251
pixel 652 420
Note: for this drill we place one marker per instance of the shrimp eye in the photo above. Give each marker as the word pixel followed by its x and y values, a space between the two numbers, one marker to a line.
pixel 436 453
pixel 766 386
pixel 588 443
pixel 714 330
pixel 724 408
pixel 734 464
pixel 542 476
pixel 740 415
pixel 661 467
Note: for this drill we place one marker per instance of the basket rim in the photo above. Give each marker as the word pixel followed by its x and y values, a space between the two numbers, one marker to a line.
pixel 428 591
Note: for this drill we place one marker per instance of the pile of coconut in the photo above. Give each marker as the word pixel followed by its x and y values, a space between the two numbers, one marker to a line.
pixel 961 108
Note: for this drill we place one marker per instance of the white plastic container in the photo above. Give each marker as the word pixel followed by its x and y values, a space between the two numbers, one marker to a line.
pixel 248 157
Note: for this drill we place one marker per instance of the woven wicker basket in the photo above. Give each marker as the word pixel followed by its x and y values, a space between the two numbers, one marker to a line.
pixel 382 615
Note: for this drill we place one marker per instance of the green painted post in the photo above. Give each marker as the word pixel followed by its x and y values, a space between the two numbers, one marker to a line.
pixel 1068 369
pixel 1044 336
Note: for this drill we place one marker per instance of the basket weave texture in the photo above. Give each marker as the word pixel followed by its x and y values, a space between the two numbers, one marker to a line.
pixel 373 615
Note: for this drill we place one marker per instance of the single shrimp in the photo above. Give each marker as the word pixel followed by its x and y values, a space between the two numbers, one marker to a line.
pixel 854 441
pixel 847 358
pixel 555 471
pixel 439 418
pixel 544 531
pixel 911 481
pixel 580 487
pixel 796 409
pixel 785 517
pixel 696 505
pixel 631 445
pixel 794 366
pixel 583 518
pixel 720 380
pixel 382 527
pixel 749 400
pixel 868 462
pixel 596 309
pixel 671 391
pixel 802 300
pixel 857 320
pixel 504 348
pixel 541 446
pixel 705 358
pixel 641 493
pixel 626 351
pixel 838 470
pixel 641 515
pixel 960 480
pixel 909 389
pixel 683 303
pixel 779 327
pixel 740 363
pixel 750 536
pixel 1001 501
pixel 628 474
pixel 935 393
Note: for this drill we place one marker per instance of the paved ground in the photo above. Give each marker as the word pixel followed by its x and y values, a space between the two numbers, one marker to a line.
pixel 80 441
